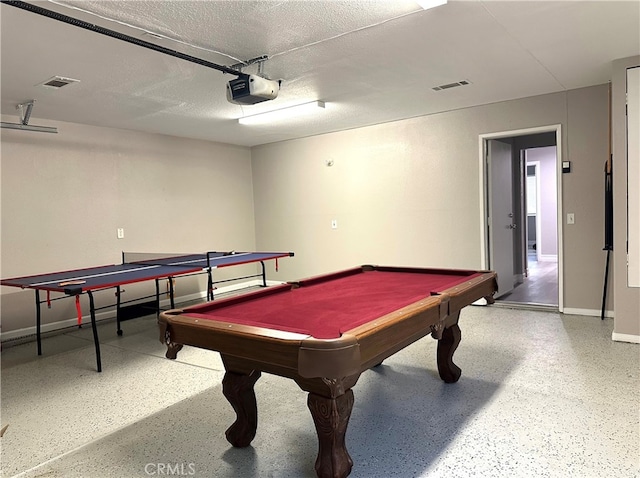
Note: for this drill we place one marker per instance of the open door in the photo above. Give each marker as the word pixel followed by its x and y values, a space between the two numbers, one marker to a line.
pixel 500 209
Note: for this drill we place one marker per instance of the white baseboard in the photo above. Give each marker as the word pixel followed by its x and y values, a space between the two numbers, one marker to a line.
pixel 616 337
pixel 548 258
pixel 588 312
pixel 634 339
pixel 110 314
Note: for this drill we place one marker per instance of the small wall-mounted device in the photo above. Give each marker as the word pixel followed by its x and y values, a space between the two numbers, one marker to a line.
pixel 566 166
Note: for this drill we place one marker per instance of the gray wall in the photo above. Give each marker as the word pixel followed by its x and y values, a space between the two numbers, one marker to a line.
pixel 408 192
pixel 627 299
pixel 64 195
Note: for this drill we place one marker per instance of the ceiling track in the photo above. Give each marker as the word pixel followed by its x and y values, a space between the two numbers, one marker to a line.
pixel 25 115
pixel 118 36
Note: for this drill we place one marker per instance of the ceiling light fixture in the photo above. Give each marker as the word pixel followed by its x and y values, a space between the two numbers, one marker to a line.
pixel 284 113
pixel 427 4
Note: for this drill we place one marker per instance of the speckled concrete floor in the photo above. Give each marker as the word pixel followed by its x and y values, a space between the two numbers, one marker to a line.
pixel 541 395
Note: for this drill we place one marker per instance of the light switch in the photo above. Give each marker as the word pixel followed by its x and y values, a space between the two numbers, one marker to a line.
pixel 571 219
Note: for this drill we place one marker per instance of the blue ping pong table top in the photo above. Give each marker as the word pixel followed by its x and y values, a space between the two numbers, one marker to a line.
pixel 102 277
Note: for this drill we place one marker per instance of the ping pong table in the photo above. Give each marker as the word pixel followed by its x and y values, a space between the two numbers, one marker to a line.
pixel 135 267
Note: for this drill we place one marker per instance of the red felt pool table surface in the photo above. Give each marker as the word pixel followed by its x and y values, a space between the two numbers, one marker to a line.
pixel 326 307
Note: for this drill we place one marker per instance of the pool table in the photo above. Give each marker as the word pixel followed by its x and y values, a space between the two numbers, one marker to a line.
pixel 323 332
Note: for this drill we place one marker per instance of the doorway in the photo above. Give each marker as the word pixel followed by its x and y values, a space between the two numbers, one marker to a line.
pixel 538 285
pixel 521 226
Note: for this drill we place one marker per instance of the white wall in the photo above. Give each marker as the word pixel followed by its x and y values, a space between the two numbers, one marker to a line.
pixel 633 170
pixel 547 175
pixel 64 195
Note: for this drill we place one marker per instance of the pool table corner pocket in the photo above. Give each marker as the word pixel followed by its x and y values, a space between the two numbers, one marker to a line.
pixel 165 336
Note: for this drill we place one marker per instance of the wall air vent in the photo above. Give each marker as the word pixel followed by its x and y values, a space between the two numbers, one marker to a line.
pixel 57 82
pixel 451 85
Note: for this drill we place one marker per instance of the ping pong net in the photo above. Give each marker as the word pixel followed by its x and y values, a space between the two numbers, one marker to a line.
pixel 165 259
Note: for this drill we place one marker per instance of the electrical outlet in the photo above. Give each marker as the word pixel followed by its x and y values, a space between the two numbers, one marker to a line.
pixel 120 233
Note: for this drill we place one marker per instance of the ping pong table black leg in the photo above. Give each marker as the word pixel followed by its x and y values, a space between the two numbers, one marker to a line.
pixel 264 275
pixel 119 330
pixel 173 305
pixel 95 330
pixel 38 319
pixel 157 298
pixel 209 284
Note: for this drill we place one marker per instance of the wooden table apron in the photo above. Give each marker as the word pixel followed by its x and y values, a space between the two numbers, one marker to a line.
pixel 326 368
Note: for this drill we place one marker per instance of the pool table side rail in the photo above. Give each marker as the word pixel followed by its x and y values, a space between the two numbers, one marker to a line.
pixel 266 345
pixel 238 299
pixel 293 354
pixel 370 268
pixel 419 270
pixel 451 301
pixel 481 284
pixel 468 292
pixel 326 277
pixel 389 334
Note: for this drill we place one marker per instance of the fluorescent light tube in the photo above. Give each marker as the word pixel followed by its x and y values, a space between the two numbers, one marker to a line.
pixel 284 113
pixel 427 4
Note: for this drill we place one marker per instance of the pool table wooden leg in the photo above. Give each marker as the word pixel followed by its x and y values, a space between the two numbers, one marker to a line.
pixel 238 389
pixel 331 417
pixel 447 345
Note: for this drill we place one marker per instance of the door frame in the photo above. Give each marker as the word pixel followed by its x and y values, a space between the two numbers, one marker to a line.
pixel 484 191
pixel 536 165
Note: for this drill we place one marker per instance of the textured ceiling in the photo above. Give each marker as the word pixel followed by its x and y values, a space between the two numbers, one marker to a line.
pixel 370 61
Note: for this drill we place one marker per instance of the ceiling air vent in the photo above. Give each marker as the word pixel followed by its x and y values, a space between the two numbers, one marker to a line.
pixel 451 85
pixel 57 82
